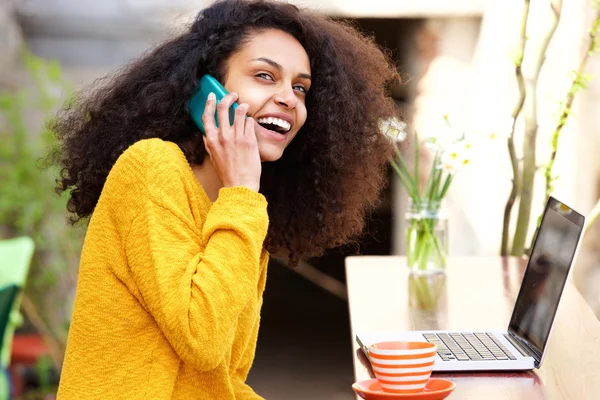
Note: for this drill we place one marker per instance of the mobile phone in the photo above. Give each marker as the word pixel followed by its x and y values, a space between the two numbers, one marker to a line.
pixel 197 103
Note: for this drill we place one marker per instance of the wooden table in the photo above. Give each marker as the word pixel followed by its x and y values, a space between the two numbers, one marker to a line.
pixel 475 294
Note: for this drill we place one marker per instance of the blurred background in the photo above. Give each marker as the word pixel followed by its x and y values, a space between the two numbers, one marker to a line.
pixel 458 60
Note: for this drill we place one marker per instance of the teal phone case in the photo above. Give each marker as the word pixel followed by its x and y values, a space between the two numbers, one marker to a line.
pixel 198 101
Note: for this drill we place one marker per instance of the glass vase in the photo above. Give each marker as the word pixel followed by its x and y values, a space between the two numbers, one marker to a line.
pixel 426 237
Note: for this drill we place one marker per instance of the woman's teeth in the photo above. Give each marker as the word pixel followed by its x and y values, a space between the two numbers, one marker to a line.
pixel 284 125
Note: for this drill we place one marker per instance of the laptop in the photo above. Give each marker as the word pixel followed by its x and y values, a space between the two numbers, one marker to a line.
pixel 522 346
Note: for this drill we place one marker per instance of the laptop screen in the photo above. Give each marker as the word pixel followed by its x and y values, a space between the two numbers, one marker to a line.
pixel 546 274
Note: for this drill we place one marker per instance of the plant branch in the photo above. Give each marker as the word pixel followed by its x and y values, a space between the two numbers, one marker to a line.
pixel 511 146
pixel 529 144
pixel 53 344
pixel 593 216
pixel 579 81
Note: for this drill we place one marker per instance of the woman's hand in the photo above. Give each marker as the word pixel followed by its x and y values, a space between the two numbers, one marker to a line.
pixel 233 150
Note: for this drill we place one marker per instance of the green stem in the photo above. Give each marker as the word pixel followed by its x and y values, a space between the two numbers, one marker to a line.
pixel 437 244
pixel 435 185
pixel 416 169
pixel 431 177
pixel 529 144
pixel 412 184
pixel 424 255
pixel 414 180
pixel 410 187
pixel 516 170
pixel 446 186
pixel 422 240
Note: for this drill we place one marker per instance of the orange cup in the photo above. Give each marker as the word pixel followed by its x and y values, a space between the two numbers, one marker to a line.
pixel 402 367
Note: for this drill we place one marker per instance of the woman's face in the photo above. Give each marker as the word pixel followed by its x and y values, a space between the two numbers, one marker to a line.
pixel 271 73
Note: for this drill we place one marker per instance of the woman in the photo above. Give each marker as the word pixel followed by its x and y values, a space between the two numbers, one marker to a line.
pixel 174 263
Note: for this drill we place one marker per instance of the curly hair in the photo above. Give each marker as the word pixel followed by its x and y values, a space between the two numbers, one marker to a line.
pixel 318 192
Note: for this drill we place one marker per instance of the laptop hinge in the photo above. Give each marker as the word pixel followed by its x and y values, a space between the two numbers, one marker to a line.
pixel 525 348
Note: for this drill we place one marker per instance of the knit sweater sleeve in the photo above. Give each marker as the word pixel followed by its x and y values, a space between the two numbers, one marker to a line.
pixel 196 282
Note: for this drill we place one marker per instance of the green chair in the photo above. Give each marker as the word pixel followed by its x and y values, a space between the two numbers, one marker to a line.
pixel 8 295
pixel 15 258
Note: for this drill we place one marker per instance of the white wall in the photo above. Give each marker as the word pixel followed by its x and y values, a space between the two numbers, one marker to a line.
pixel 10 42
pixel 482 91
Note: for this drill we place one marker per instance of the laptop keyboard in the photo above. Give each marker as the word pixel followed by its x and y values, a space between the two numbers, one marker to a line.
pixel 469 346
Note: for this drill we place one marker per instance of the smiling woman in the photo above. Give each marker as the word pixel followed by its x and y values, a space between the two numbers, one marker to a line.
pixel 271 73
pixel 174 263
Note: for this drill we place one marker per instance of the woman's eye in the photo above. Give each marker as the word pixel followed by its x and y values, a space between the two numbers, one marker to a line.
pixel 300 88
pixel 265 76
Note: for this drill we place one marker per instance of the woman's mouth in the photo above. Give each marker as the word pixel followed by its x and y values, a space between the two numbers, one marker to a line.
pixel 277 125
pixel 271 131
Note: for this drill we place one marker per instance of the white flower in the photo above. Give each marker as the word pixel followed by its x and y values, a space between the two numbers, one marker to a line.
pixel 393 128
pixel 449 166
pixel 455 156
pixel 441 135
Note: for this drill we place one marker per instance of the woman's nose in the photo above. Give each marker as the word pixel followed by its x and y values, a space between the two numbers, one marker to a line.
pixel 286 97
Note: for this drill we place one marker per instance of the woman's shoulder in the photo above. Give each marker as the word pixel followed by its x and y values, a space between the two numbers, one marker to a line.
pixel 150 150
pixel 149 173
pixel 153 157
pixel 149 165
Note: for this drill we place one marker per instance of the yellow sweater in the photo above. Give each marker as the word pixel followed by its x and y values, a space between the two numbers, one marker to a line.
pixel 170 285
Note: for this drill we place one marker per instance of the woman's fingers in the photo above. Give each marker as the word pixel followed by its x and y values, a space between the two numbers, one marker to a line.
pixel 233 150
pixel 223 113
pixel 249 130
pixel 207 147
pixel 208 116
pixel 240 119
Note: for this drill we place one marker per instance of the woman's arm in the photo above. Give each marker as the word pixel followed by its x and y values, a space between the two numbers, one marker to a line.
pixel 195 284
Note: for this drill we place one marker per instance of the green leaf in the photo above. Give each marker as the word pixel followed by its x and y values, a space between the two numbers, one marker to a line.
pixel 416 169
pixel 54 72
pixel 405 180
pixel 429 184
pixel 413 180
pixel 446 186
